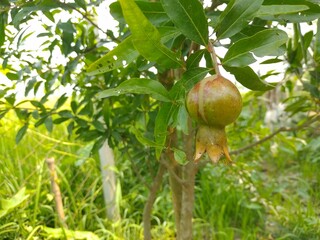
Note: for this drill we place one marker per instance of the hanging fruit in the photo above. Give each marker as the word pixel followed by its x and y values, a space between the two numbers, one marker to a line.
pixel 214 103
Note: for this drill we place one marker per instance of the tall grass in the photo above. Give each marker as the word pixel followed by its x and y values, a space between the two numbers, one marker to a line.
pixel 264 196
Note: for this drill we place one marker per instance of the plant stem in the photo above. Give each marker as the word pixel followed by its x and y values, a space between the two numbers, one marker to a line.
pixel 214 58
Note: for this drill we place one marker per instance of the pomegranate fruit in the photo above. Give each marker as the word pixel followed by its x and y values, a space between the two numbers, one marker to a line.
pixel 214 103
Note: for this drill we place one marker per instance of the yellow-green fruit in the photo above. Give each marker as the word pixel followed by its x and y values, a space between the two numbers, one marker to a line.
pixel 214 101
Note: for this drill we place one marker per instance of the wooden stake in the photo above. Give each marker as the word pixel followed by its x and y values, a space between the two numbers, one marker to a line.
pixel 56 190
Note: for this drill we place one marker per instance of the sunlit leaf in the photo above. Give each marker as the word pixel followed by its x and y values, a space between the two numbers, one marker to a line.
pixel 152 10
pixel 125 53
pixel 189 17
pixel 138 86
pixel 264 43
pixel 249 79
pixel 7 205
pixel 146 38
pixel 236 16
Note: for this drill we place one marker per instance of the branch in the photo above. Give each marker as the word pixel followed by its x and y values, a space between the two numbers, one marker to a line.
pixel 252 145
pixel 151 199
pixel 282 129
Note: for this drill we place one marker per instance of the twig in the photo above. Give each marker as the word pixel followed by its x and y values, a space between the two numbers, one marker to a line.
pixel 282 129
pixel 151 199
pixel 252 145
pixel 214 58
pixel 56 190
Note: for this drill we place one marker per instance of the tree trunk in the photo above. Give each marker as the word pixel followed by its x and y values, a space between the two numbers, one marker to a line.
pixel 109 181
pixel 187 204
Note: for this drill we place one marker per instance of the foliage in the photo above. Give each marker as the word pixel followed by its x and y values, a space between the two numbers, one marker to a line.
pixel 128 86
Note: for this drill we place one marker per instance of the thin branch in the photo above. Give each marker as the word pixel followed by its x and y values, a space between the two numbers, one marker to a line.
pixel 282 129
pixel 201 164
pixel 151 199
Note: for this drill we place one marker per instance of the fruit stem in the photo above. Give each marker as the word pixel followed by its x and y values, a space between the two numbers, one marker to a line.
pixel 214 58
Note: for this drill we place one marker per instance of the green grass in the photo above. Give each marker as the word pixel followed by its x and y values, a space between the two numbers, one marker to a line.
pixel 266 195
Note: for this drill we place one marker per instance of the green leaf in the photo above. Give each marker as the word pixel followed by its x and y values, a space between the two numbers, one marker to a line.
pixel 189 17
pixel 81 3
pixel 316 55
pixel 125 53
pixel 152 10
pixel 195 58
pixel 188 80
pixel 49 124
pixel 62 99
pixel 236 17
pixel 25 11
pixel 143 140
pixel 249 79
pixel 264 43
pixel 138 86
pixel 3 22
pixel 272 61
pixel 163 120
pixel 120 56
pixel 272 10
pixel 302 16
pixel 180 156
pixel 22 131
pixel 7 205
pixel 146 38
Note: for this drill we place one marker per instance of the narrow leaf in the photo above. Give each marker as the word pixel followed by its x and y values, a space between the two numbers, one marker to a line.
pixel 249 79
pixel 163 120
pixel 146 38
pixel 188 80
pixel 189 17
pixel 3 21
pixel 195 58
pixel 272 10
pixel 264 43
pixel 138 86
pixel 143 140
pixel 120 56
pixel 236 16
pixel 22 131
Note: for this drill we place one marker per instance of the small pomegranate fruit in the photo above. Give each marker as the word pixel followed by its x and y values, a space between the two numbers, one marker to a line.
pixel 214 103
